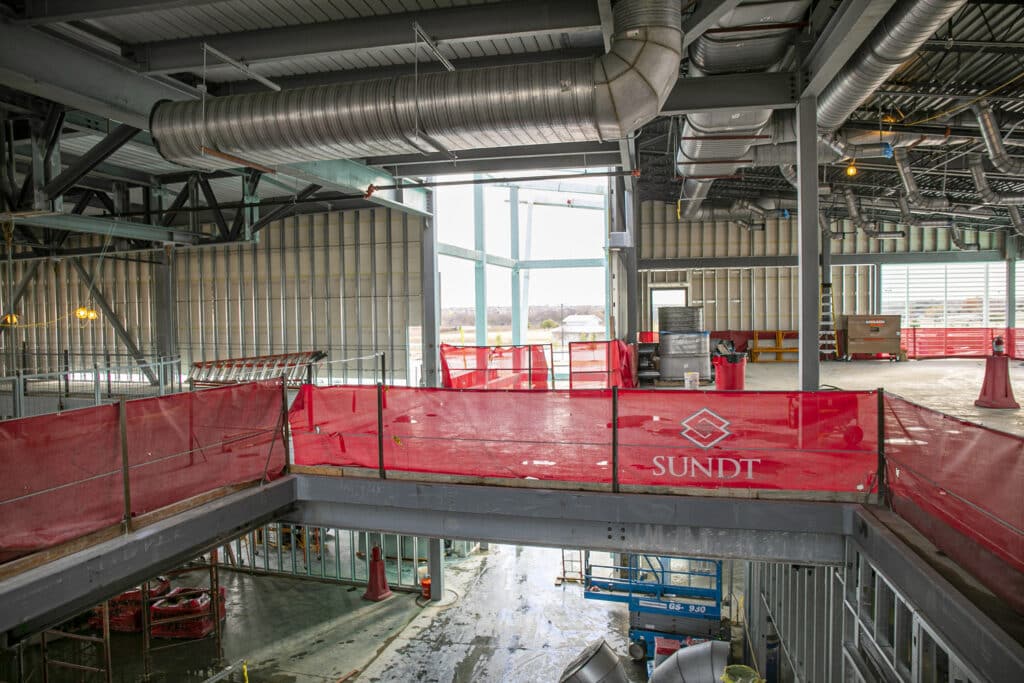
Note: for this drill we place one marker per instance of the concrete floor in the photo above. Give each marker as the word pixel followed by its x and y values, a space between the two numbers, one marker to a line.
pixel 947 385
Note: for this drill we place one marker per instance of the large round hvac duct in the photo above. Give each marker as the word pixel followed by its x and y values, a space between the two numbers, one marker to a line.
pixel 605 98
pixel 596 664
pixel 703 663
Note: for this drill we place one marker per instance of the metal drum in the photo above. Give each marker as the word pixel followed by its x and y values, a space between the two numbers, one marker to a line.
pixel 680 318
pixel 684 344
pixel 682 352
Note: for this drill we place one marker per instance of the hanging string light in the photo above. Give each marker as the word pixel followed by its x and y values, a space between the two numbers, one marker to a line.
pixel 86 313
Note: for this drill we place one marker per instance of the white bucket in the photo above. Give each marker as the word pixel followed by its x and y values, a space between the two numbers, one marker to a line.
pixel 691 380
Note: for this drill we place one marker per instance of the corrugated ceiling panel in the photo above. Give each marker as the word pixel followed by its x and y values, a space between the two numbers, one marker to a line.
pixel 131 156
pixel 247 15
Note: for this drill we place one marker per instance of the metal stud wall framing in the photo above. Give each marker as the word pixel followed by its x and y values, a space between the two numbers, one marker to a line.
pixel 48 325
pixel 344 282
pixel 666 237
pixel 347 283
pixel 756 298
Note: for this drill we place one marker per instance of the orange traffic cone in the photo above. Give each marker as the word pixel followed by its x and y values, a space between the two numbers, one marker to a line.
pixel 377 589
pixel 996 391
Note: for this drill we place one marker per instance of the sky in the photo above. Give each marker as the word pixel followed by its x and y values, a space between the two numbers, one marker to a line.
pixel 556 231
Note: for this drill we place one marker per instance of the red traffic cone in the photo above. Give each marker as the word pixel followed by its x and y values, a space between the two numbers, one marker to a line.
pixel 996 391
pixel 377 589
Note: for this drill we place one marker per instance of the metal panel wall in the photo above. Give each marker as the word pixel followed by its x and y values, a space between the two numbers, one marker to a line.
pixel 756 298
pixel 47 323
pixel 346 283
pixel 665 236
pixel 765 297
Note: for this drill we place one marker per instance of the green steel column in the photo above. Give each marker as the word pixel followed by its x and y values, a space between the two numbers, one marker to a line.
pixel 518 318
pixel 480 279
pixel 608 332
pixel 1012 254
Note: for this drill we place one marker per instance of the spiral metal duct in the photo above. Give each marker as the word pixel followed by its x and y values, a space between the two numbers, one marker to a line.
pixel 567 101
pixel 902 31
pixel 994 141
pixel 705 151
pixel 910 184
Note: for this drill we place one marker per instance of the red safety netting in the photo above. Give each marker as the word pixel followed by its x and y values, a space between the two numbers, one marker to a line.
pixel 61 475
pixel 820 441
pixel 824 441
pixel 1015 342
pixel 60 478
pixel 185 444
pixel 496 367
pixel 526 435
pixel 949 342
pixel 965 475
pixel 335 426
pixel 600 365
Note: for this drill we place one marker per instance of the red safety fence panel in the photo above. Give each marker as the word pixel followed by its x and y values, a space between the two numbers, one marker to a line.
pixel 60 478
pixel 335 426
pixel 600 365
pixel 815 441
pixel 967 476
pixel 823 441
pixel 1015 342
pixel 949 342
pixel 553 435
pixel 185 444
pixel 495 367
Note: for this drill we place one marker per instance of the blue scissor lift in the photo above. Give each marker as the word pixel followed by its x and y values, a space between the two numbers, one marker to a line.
pixel 672 597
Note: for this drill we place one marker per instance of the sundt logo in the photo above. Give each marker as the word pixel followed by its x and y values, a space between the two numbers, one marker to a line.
pixel 704 428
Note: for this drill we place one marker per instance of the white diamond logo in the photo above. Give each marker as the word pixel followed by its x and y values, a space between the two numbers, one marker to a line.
pixel 705 428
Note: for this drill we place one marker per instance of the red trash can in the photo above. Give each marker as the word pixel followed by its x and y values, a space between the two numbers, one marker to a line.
pixel 730 371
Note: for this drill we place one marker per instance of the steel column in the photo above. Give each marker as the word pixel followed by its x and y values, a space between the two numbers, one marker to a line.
pixel 519 320
pixel 480 267
pixel 876 281
pixel 435 563
pixel 429 301
pixel 165 305
pixel 1011 280
pixel 807 242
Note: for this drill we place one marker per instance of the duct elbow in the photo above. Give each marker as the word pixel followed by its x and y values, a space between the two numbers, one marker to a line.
pixel 994 141
pixel 914 195
pixel 633 80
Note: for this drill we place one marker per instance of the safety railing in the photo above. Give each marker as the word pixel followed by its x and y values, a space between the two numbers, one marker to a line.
pixel 959 484
pixel 71 474
pixel 825 442
pixel 599 365
pixel 959 342
pixel 497 367
pixel 68 475
pixel 29 394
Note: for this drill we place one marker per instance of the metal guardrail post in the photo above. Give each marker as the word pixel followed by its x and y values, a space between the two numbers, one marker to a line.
pixel 161 378
pixel 67 373
pixel 106 359
pixel 96 385
pixel 17 409
pixel 882 494
pixel 615 439
pixel 125 475
pixel 383 368
pixel 380 432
